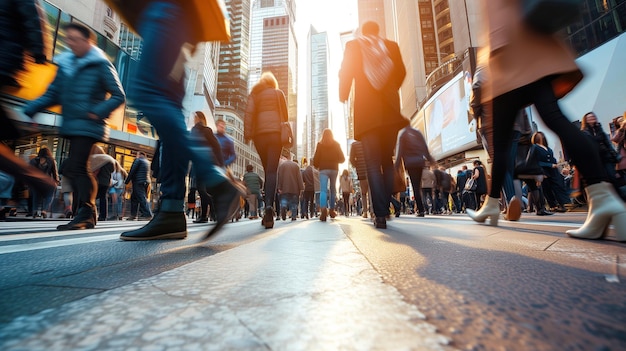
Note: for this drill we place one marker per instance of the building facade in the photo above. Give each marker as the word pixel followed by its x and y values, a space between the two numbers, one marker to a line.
pixel 318 117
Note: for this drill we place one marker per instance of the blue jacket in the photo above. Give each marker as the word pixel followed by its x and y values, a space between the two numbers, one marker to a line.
pixel 81 87
pixel 228 148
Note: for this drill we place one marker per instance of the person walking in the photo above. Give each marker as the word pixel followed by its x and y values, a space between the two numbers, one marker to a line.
pixel 608 155
pixel 427 184
pixel 479 174
pixel 527 67
pixel 118 185
pixel 375 67
pixel 553 184
pixel 308 195
pixel 346 188
pixel 102 166
pixel 357 159
pixel 48 166
pixel 21 38
pixel 139 176
pixel 262 124
pixel 412 151
pixel 227 145
pixel 290 185
pixel 254 184
pixel 327 157
pixel 201 131
pixel 618 137
pixel 87 103
pixel 169 28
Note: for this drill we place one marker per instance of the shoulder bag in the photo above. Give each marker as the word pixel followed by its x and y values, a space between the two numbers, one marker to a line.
pixel 286 134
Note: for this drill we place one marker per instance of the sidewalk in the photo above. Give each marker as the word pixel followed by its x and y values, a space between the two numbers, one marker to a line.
pixel 328 298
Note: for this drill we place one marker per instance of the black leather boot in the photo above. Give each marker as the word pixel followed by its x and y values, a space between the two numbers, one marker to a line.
pixel 164 225
pixel 540 203
pixel 84 219
pixel 226 197
pixel 268 218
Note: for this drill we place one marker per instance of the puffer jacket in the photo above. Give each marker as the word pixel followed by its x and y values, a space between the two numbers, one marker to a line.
pixel 263 111
pixel 79 97
pixel 20 32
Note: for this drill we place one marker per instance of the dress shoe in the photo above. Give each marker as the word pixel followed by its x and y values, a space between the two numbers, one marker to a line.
pixel 380 222
pixel 544 212
pixel 420 214
pixel 490 209
pixel 84 219
pixel 131 218
pixel 164 225
pixel 513 210
pixel 559 208
pixel 226 197
pixel 202 220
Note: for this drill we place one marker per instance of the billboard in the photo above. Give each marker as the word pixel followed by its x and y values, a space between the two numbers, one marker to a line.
pixel 448 125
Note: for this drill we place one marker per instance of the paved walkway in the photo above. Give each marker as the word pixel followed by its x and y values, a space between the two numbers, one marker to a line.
pixel 310 290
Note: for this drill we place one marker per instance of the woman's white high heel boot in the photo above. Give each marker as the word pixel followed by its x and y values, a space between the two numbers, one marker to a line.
pixel 605 207
pixel 490 209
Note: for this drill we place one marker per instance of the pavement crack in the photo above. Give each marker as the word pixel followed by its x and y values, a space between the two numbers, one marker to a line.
pixel 245 325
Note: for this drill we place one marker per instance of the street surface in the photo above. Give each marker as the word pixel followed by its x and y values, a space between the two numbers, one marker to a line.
pixel 433 283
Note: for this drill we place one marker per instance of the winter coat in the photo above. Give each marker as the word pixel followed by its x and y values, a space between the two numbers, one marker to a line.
pixel 357 159
pixel 429 181
pixel 102 166
pixel 20 33
pixel 83 92
pixel 515 55
pixel 374 110
pixel 289 178
pixel 253 182
pixel 308 177
pixel 138 172
pixel 411 148
pixel 263 111
pixel 328 156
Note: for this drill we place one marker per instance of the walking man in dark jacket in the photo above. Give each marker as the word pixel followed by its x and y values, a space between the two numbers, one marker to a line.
pixel 375 67
pixel 139 198
pixel 88 89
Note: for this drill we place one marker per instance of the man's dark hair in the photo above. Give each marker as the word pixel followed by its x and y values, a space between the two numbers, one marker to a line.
pixel 249 168
pixel 83 29
pixel 370 28
pixel 141 153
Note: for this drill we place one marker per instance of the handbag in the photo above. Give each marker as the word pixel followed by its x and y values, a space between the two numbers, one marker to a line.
pixel 470 185
pixel 286 135
pixel 549 16
pixel 527 160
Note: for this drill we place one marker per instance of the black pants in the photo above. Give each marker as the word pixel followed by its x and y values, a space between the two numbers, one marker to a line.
pixel 83 183
pixel 540 93
pixel 415 174
pixel 139 199
pixel 102 196
pixel 269 148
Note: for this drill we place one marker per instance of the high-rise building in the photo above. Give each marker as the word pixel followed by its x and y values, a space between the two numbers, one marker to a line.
pixel 232 83
pixel 318 117
pixel 273 47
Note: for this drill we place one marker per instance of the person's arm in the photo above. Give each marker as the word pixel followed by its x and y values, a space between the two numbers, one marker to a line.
pixel 113 86
pixel 133 170
pixel 230 151
pixel 49 98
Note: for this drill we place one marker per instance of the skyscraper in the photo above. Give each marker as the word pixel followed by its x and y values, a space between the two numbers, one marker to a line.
pixel 317 109
pixel 232 84
pixel 273 47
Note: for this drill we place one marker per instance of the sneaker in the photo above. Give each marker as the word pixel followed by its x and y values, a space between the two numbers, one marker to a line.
pixel 164 225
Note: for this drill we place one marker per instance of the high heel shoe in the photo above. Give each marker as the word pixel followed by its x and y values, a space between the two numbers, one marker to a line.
pixel 605 207
pixel 490 209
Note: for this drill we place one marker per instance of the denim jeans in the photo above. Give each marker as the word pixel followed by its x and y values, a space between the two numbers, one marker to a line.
pixel 159 94
pixel 327 175
pixel 379 147
pixel 290 202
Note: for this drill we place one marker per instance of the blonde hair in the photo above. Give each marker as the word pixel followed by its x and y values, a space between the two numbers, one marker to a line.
pixel 269 79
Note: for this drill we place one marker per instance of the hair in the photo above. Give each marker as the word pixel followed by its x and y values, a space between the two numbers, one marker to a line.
pixel 249 168
pixel 583 124
pixel 141 153
pixel 477 162
pixel 268 78
pixel 370 28
pixel 201 117
pixel 44 152
pixel 83 29
pixel 345 173
pixel 327 136
pixel 539 138
pixel 304 161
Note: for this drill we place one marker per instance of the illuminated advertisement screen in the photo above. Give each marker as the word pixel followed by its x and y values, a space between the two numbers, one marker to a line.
pixel 448 125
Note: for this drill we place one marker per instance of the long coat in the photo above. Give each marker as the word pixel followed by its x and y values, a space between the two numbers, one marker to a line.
pixel 515 55
pixel 373 109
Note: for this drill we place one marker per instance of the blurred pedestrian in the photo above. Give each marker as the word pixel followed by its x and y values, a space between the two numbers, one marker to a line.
pixel 375 67
pixel 526 67
pixel 308 195
pixel 118 185
pixel 170 29
pixel 67 191
pixel 327 157
pixel 21 38
pixel 262 125
pixel 254 184
pixel 346 188
pixel 48 166
pixel 412 151
pixel 227 145
pixel 140 177
pixel 290 185
pixel 87 103
pixel 607 153
pixel 102 166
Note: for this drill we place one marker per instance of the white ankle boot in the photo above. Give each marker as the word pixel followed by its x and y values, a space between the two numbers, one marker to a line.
pixel 605 207
pixel 490 209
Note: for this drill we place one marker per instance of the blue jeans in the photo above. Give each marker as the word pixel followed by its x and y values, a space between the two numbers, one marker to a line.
pixel 290 202
pixel 379 147
pixel 325 176
pixel 159 94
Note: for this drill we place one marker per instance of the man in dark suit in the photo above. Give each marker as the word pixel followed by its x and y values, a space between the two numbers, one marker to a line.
pixel 375 66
